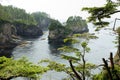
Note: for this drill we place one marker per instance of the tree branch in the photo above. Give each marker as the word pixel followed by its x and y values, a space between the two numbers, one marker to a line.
pixel 108 69
pixel 114 12
pixel 72 67
pixel 111 60
pixel 109 13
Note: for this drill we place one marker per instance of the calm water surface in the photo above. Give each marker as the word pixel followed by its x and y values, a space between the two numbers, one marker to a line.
pixel 38 49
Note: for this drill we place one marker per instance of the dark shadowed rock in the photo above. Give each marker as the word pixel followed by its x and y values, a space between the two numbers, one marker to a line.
pixel 7 48
pixel 30 31
pixel 7 42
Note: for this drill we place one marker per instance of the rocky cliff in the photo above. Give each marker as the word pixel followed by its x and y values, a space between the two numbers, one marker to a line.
pixel 24 26
pixel 56 36
pixel 77 25
pixel 8 39
pixel 9 33
pixel 80 28
pixel 57 31
pixel 29 31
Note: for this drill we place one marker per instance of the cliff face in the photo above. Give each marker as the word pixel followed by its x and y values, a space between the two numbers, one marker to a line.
pixel 56 36
pixel 57 31
pixel 80 28
pixel 28 31
pixel 9 36
pixel 7 31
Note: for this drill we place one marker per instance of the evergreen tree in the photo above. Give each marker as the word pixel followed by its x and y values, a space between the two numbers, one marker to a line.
pixel 99 13
pixel 10 68
pixel 43 19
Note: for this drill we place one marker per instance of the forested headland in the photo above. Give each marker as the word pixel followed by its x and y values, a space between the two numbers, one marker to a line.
pixel 16 24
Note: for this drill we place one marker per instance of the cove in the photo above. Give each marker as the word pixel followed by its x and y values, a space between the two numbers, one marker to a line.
pixel 38 49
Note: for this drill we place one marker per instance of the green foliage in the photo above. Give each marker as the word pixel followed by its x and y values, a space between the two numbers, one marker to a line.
pixel 84 44
pixel 70 40
pixel 43 20
pixel 99 13
pixel 75 38
pixel 3 15
pixel 55 25
pixel 78 59
pixel 10 68
pixel 54 65
pixel 40 16
pixel 66 57
pixel 86 36
pixel 68 49
pixel 102 22
pixel 104 74
pixel 81 66
pixel 74 22
pixel 73 25
pixel 13 14
pixel 58 30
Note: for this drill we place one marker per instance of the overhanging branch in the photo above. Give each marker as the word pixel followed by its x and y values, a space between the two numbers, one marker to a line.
pixel 109 13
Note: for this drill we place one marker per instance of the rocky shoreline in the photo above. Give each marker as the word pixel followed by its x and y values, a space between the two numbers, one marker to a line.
pixel 7 48
pixel 9 37
pixel 58 31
